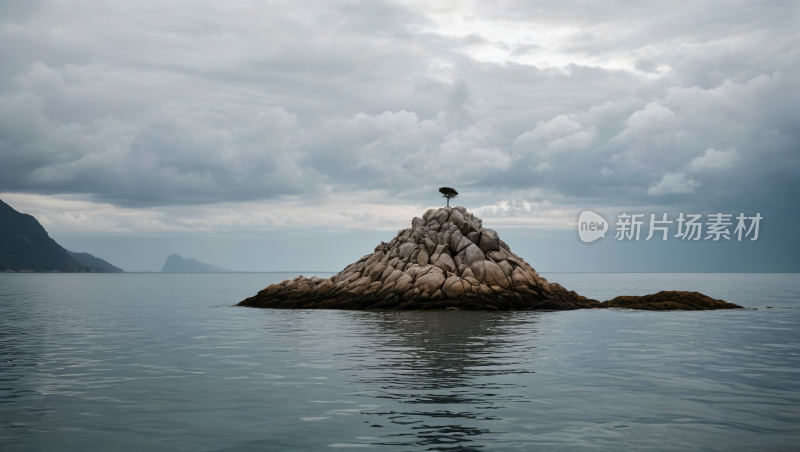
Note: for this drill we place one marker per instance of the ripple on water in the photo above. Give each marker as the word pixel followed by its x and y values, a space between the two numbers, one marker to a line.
pixel 163 362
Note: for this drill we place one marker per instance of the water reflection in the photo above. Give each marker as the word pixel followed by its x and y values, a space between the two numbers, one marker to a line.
pixel 445 373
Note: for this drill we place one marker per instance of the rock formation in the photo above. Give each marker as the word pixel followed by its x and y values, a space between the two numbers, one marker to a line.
pixel 447 259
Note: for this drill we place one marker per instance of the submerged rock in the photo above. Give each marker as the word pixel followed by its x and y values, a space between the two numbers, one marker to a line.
pixel 669 301
pixel 446 260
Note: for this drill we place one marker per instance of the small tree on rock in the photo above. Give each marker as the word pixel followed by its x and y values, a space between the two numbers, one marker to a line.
pixel 448 193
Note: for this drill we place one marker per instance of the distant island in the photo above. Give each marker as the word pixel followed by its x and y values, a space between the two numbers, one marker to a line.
pixel 177 264
pixel 448 260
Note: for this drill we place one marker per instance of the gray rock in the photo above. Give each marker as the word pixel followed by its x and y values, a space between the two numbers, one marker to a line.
pixel 376 270
pixel 388 271
pixel 444 237
pixel 520 278
pixel 417 234
pixel 462 244
pixel 456 217
pixel 449 282
pixel 323 286
pixel 412 271
pixel 457 290
pixel 427 216
pixel 472 254
pixel 386 288
pixel 430 246
pixel 430 282
pixel 374 258
pixel 406 249
pixel 445 262
pixel 393 276
pixel 455 239
pixel 544 284
pixel 441 216
pixel 373 288
pixel 422 258
pixel 436 253
pixel 489 273
pixel 507 268
pixel 489 240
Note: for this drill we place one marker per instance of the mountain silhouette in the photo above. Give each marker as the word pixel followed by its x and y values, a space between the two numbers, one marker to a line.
pixel 177 264
pixel 95 263
pixel 26 246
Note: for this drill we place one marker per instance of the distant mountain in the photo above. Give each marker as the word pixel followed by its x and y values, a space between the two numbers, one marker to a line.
pixel 25 245
pixel 177 264
pixel 95 263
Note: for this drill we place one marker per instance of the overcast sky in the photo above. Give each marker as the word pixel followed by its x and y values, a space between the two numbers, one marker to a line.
pixel 305 129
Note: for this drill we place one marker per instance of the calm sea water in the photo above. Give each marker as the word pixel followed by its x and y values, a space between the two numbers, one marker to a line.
pixel 163 362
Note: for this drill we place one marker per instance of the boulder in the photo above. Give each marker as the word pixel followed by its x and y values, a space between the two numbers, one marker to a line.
pixel 507 268
pixel 403 284
pixel 441 216
pixel 436 253
pixel 406 249
pixel 430 282
pixel 489 240
pixel 394 276
pixel 489 273
pixel 449 282
pixel 412 271
pixel 422 258
pixel 445 262
pixel 472 254
pixel 376 270
pixel 456 290
pixel 463 243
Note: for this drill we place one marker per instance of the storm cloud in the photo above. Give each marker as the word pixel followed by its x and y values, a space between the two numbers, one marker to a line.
pixel 181 110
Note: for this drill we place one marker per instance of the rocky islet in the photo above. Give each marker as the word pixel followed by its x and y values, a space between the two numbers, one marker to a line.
pixel 445 260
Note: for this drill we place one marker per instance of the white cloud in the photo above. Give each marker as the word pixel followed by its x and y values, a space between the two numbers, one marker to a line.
pixel 673 183
pixel 576 142
pixel 713 160
pixel 653 119
pixel 560 134
pixel 559 127
pixel 605 172
pixel 544 166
